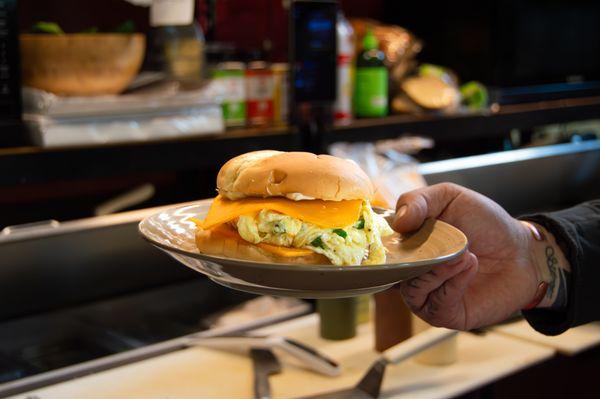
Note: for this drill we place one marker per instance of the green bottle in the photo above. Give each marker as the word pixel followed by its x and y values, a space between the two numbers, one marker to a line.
pixel 371 84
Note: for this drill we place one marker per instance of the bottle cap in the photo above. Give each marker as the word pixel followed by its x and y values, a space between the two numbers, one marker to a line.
pixel 171 12
pixel 370 42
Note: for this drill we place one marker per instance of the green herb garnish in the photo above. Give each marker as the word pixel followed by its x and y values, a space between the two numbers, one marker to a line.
pixel 340 233
pixel 360 224
pixel 317 242
pixel 278 229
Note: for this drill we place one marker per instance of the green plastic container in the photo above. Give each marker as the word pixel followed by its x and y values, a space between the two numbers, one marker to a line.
pixel 338 318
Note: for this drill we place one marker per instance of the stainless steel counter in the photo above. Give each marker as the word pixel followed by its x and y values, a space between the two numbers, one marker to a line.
pixel 527 180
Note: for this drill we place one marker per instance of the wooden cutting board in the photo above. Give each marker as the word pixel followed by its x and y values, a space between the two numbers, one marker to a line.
pixel 206 373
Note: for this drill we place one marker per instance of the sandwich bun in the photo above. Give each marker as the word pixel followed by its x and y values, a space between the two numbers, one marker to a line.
pixel 295 175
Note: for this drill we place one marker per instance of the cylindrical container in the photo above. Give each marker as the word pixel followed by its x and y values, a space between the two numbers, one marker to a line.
pixel 259 94
pixel 345 70
pixel 392 319
pixel 280 93
pixel 441 354
pixel 231 75
pixel 364 309
pixel 338 318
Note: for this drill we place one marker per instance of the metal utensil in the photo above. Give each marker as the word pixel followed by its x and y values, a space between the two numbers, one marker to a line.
pixel 370 385
pixel 265 364
pixel 310 357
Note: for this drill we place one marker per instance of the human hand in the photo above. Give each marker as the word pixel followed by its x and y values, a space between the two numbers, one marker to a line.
pixel 495 277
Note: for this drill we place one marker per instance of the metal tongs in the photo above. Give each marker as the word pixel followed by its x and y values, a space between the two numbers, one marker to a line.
pixel 310 357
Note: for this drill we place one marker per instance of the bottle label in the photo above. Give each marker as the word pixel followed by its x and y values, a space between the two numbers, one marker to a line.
pixel 234 96
pixel 259 86
pixel 259 94
pixel 343 103
pixel 371 92
pixel 234 113
pixel 280 97
pixel 232 84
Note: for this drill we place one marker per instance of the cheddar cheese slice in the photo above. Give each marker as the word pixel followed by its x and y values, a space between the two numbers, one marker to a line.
pixel 227 231
pixel 285 251
pixel 325 214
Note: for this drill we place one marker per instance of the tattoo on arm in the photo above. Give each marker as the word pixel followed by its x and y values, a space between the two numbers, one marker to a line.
pixel 552 267
pixel 556 295
pixel 432 307
pixel 413 283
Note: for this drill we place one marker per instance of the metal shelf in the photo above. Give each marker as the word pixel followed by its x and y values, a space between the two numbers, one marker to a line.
pixel 36 165
pixel 496 122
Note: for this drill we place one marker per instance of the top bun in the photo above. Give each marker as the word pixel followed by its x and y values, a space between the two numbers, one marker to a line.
pixel 295 175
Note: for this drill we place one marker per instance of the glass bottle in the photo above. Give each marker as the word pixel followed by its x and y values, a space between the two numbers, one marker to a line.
pixel 176 41
pixel 371 84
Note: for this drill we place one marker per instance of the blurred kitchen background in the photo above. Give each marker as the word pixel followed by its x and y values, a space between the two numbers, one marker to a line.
pixel 119 106
pixel 159 107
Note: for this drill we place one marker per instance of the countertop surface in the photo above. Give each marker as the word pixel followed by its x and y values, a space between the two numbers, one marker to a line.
pixel 207 373
pixel 569 343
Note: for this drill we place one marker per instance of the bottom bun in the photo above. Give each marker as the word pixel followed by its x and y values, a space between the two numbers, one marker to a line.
pixel 224 241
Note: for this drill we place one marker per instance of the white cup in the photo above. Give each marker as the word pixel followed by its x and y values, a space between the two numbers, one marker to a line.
pixel 442 354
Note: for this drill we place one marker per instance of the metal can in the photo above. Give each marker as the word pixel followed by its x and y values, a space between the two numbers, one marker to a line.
pixel 280 93
pixel 231 77
pixel 259 94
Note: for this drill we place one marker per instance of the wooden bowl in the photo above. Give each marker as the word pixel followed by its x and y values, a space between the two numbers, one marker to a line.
pixel 81 64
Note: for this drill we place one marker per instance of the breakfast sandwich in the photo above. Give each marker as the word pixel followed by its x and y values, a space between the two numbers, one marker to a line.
pixel 294 205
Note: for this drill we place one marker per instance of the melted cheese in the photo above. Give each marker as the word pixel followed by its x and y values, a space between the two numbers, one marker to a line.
pixel 284 251
pixel 227 231
pixel 326 214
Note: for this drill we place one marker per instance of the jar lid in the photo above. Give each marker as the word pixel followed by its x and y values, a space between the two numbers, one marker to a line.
pixel 231 65
pixel 171 12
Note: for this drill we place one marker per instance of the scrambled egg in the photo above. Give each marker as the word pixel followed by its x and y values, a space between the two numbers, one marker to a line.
pixel 357 244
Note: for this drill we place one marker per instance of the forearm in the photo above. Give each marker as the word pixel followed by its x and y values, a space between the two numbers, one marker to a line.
pixel 576 232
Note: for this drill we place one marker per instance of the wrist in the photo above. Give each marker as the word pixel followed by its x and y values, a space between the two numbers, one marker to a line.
pixel 551 269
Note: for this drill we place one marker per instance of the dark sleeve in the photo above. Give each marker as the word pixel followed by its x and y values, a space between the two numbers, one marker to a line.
pixel 577 232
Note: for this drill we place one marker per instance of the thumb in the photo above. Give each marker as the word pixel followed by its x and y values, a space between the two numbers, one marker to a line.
pixel 415 206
